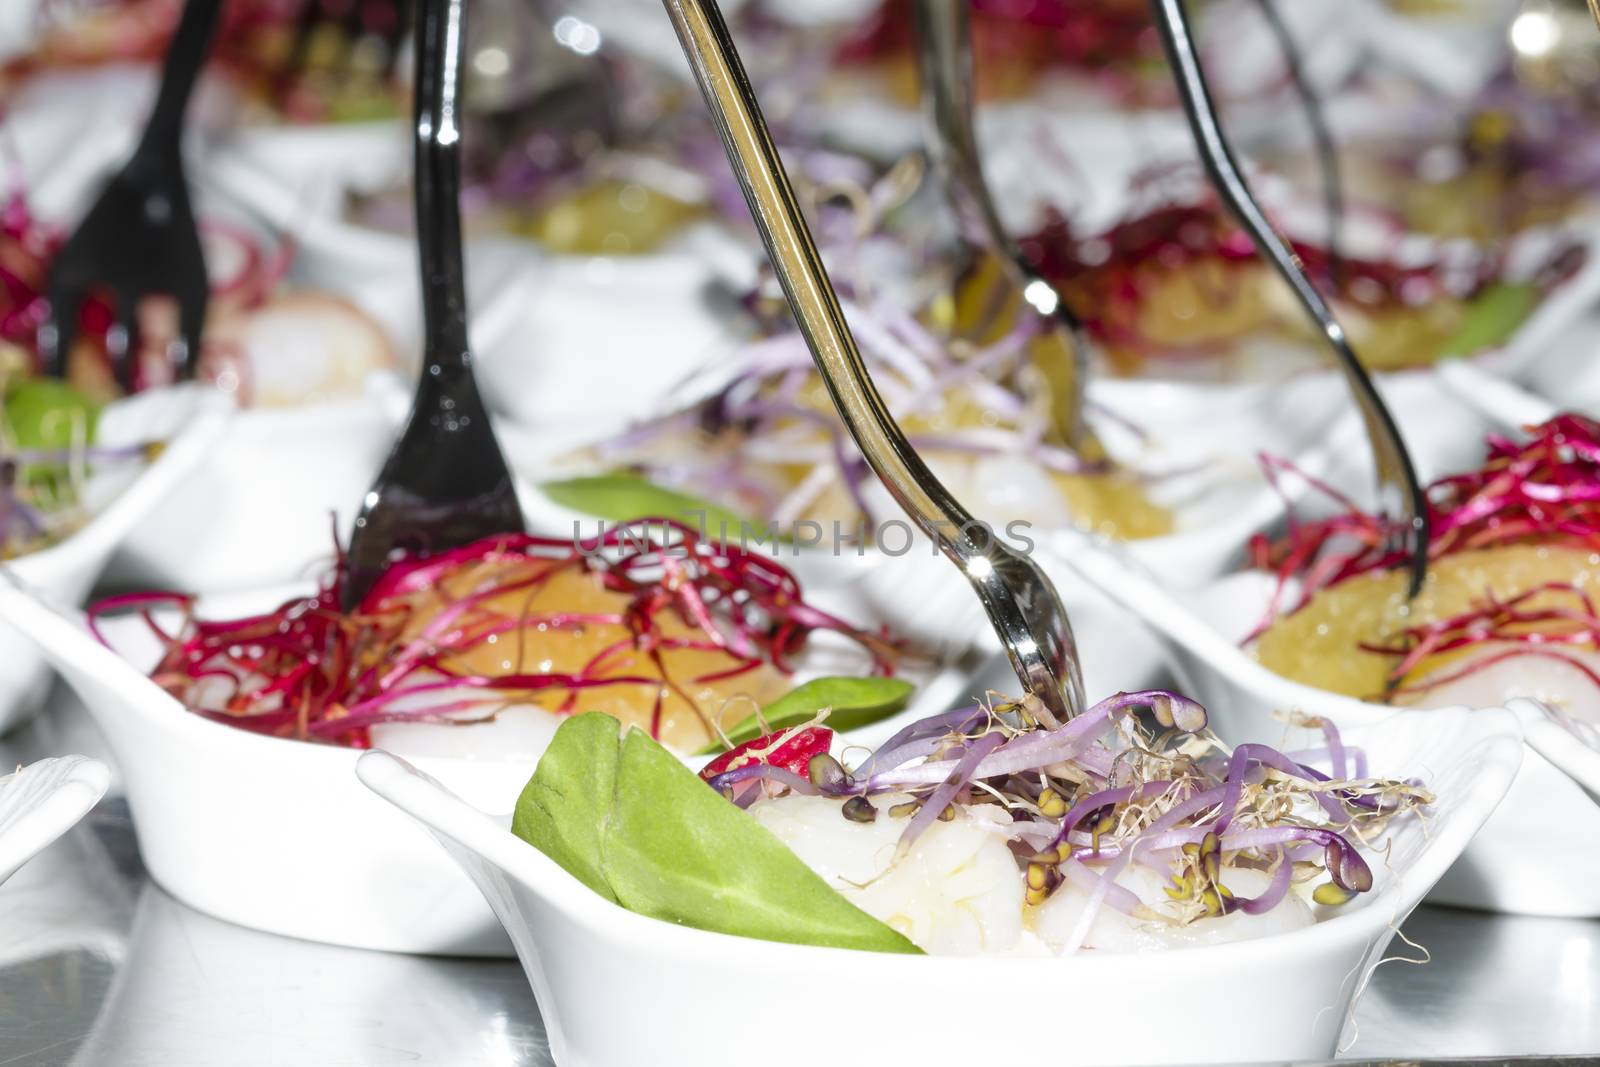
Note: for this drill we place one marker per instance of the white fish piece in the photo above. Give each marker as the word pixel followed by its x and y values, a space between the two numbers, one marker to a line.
pixel 960 891
pixel 1054 921
pixel 306 346
pixel 956 892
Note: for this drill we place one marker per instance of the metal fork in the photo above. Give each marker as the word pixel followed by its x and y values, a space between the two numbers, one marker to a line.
pixel 446 483
pixel 1022 604
pixel 140 237
pixel 1399 492
pixel 944 60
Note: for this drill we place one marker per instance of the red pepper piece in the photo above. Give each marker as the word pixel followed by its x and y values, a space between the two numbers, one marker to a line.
pixel 793 755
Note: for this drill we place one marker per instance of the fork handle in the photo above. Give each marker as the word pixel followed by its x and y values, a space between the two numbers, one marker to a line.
pixel 709 47
pixel 437 171
pixel 1401 493
pixel 186 54
pixel 944 61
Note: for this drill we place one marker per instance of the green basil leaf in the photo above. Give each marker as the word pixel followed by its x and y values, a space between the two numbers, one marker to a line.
pixel 622 497
pixel 562 809
pixel 663 844
pixel 855 702
pixel 1491 318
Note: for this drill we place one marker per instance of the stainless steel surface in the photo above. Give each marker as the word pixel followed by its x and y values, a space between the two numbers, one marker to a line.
pixel 944 62
pixel 1021 603
pixel 100 967
pixel 1400 494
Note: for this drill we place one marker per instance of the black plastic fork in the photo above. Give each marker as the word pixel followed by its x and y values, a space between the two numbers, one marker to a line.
pixel 446 482
pixel 140 237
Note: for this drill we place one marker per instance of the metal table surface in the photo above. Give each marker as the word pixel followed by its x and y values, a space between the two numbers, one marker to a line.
pixel 99 966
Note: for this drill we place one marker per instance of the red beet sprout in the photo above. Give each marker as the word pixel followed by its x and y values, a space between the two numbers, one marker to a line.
pixel 1107 277
pixel 306 670
pixel 1087 799
pixel 1544 491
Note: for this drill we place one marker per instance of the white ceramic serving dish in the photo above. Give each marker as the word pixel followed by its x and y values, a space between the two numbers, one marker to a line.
pixel 650 318
pixel 302 156
pixel 1572 746
pixel 618 988
pixel 1523 861
pixel 1509 406
pixel 278 835
pixel 42 801
pixel 276 488
pixel 190 419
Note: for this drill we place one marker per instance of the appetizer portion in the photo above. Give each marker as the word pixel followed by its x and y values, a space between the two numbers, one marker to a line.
pixel 1516 155
pixel 616 162
pixel 1018 47
pixel 268 341
pixel 986 830
pixel 1508 608
pixel 976 379
pixel 486 648
pixel 253 53
pixel 1175 289
pixel 48 452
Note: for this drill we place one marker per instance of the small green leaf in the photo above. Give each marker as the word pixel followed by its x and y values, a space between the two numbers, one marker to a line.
pixel 621 497
pixel 562 809
pixel 1491 318
pixel 47 414
pixel 633 823
pixel 856 702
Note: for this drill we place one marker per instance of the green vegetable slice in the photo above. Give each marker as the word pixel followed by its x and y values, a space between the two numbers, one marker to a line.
pixel 48 415
pixel 630 821
pixel 1491 318
pixel 563 807
pixel 622 497
pixel 856 702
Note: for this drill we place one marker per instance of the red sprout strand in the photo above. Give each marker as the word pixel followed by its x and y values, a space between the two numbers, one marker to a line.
pixel 306 670
pixel 1544 491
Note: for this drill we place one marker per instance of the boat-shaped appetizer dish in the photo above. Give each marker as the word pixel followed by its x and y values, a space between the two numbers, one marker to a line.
pixel 467 662
pixel 1322 621
pixel 1128 851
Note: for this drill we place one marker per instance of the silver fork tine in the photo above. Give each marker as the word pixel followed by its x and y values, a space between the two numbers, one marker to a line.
pixel 1400 494
pixel 1022 604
